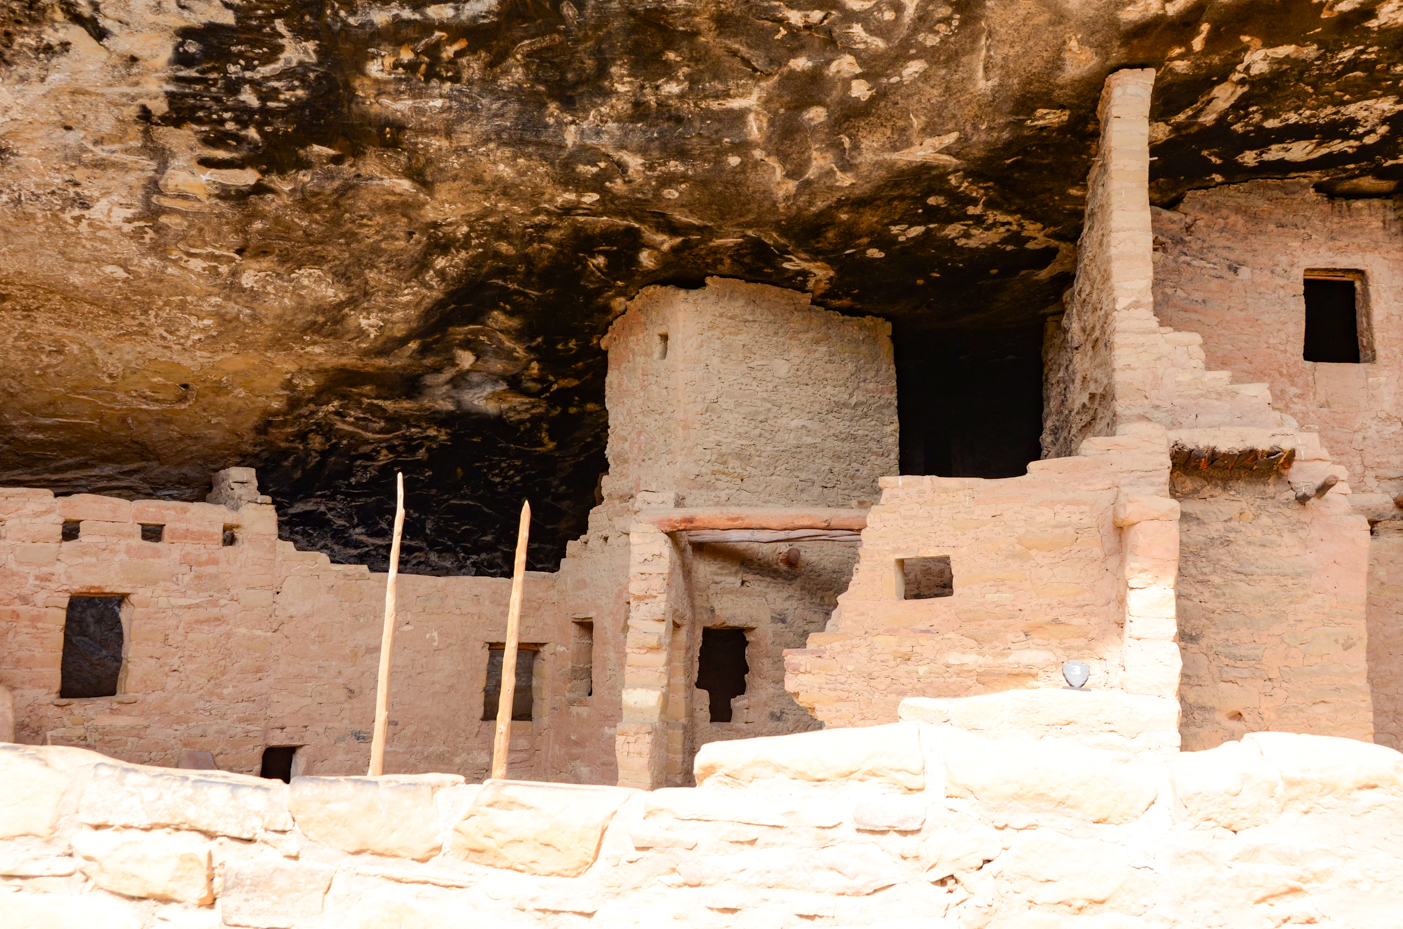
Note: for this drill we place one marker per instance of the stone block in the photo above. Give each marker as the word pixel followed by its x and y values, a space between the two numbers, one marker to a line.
pixel 845 870
pixel 215 803
pixel 889 814
pixel 79 507
pixel 1102 786
pixel 957 842
pixel 1137 508
pixel 734 806
pixel 57 911
pixel 273 894
pixel 1231 786
pixel 29 801
pixel 888 754
pixel 154 865
pixel 394 816
pixel 544 829
pixel 1046 867
pixel 1096 718
pixel 1319 770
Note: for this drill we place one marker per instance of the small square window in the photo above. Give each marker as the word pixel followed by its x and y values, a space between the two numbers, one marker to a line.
pixel 925 578
pixel 277 762
pixel 1338 328
pixel 660 347
pixel 70 530
pixel 230 536
pixel 152 533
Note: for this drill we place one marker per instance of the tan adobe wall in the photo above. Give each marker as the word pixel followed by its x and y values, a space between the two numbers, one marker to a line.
pixel 229 649
pixel 761 399
pixel 1271 612
pixel 901 825
pixel 1385 622
pixel 1037 581
pixel 1230 264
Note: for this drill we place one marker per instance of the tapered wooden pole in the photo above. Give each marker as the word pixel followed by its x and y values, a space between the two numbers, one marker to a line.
pixel 387 643
pixel 508 693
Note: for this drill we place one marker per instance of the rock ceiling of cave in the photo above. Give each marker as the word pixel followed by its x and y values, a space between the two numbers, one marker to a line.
pixel 335 239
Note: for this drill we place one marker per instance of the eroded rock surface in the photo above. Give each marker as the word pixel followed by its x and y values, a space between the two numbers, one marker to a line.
pixel 335 239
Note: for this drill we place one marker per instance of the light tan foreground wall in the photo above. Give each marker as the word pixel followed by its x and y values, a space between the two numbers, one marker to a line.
pixel 898 826
pixel 230 649
pixel 734 394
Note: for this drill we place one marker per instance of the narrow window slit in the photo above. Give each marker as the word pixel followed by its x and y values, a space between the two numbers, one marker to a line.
pixel 581 684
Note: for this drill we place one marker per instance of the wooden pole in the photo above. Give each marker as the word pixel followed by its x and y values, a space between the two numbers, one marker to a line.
pixel 508 692
pixel 387 643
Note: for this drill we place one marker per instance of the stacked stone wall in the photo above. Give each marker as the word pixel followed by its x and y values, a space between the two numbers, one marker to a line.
pixel 901 825
pixel 233 648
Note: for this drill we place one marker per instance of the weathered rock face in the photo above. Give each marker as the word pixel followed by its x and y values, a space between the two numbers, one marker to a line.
pixel 336 239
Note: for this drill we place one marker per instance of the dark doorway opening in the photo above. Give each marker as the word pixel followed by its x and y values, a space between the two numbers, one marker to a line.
pixel 92 647
pixel 521 698
pixel 721 669
pixel 969 401
pixel 1333 332
pixel 277 762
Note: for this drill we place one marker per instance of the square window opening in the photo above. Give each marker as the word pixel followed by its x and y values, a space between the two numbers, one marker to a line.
pixel 231 537
pixel 1338 328
pixel 92 647
pixel 277 762
pixel 70 530
pixel 152 533
pixel 581 684
pixel 721 669
pixel 524 696
pixel 660 347
pixel 925 578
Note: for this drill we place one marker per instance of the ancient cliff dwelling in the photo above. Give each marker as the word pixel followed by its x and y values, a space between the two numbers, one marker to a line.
pixel 963 440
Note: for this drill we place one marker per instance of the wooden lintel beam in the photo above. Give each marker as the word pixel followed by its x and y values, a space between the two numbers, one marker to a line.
pixel 754 517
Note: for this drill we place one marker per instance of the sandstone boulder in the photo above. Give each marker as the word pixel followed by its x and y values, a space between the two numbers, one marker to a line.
pixel 29 800
pixel 55 911
pixel 215 803
pixel 1096 718
pixel 535 828
pixel 957 842
pixel 394 815
pixel 1046 867
pixel 888 754
pixel 847 870
pixel 1102 786
pixel 156 865
pixel 739 806
pixel 1317 770
pixel 889 814
pixel 1230 786
pixel 273 894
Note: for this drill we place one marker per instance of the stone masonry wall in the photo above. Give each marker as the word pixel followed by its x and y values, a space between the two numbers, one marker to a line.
pixel 1111 334
pixel 232 648
pixel 754 398
pixel 898 826
pixel 1036 564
